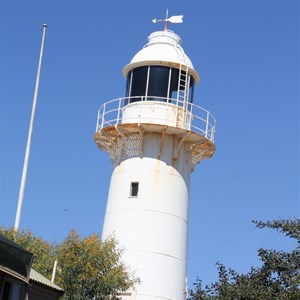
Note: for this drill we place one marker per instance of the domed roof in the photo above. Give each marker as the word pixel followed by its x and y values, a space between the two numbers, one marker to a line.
pixel 163 48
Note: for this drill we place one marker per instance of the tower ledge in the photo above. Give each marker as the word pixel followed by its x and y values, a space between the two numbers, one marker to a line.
pixel 127 139
pixel 121 127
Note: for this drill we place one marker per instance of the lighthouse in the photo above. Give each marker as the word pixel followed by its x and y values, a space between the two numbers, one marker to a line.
pixel 155 135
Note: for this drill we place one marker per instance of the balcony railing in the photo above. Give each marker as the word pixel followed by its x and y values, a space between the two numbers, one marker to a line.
pixel 191 116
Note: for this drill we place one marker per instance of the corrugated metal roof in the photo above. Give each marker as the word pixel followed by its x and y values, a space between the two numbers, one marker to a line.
pixel 37 277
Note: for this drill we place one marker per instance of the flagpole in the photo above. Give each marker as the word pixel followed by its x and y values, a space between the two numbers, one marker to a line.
pixel 27 152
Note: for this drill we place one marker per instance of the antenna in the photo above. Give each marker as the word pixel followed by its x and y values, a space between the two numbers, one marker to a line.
pixel 173 19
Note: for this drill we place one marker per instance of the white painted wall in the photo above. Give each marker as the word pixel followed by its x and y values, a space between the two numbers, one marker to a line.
pixel 155 112
pixel 152 227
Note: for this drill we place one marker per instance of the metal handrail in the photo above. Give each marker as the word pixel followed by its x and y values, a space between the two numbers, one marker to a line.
pixel 201 120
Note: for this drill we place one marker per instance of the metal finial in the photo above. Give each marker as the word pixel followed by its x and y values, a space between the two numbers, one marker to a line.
pixel 173 19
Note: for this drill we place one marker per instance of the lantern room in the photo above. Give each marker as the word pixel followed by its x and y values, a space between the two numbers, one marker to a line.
pixel 161 71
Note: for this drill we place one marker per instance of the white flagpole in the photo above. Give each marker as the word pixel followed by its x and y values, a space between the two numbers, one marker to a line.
pixel 27 153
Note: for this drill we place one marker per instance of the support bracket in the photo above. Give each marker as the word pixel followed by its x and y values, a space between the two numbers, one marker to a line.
pixel 162 141
pixel 181 140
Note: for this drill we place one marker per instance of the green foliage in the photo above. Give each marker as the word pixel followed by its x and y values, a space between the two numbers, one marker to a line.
pixel 87 267
pixel 277 279
pixel 200 293
pixel 290 228
pixel 91 269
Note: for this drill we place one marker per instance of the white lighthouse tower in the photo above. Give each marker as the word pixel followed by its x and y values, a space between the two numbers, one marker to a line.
pixel 155 136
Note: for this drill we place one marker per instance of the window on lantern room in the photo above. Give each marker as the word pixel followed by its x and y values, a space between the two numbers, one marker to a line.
pixel 191 93
pixel 128 84
pixel 174 83
pixel 138 83
pixel 158 82
pixel 151 82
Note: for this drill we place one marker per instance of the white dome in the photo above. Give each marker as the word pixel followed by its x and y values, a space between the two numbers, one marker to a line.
pixel 163 48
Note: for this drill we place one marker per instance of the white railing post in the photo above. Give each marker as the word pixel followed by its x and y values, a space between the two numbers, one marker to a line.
pixel 206 127
pixel 191 116
pixel 97 124
pixel 119 109
pixel 103 113
pixel 213 133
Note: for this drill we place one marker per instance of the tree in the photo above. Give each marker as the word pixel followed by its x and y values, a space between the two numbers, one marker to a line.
pixel 91 269
pixel 277 279
pixel 87 267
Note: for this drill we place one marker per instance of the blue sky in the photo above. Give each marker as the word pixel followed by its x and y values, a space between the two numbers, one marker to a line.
pixel 247 54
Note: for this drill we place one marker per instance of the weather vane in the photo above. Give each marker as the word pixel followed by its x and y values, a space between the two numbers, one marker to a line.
pixel 173 19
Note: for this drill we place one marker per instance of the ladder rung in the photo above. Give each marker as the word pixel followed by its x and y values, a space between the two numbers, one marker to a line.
pixel 182 83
